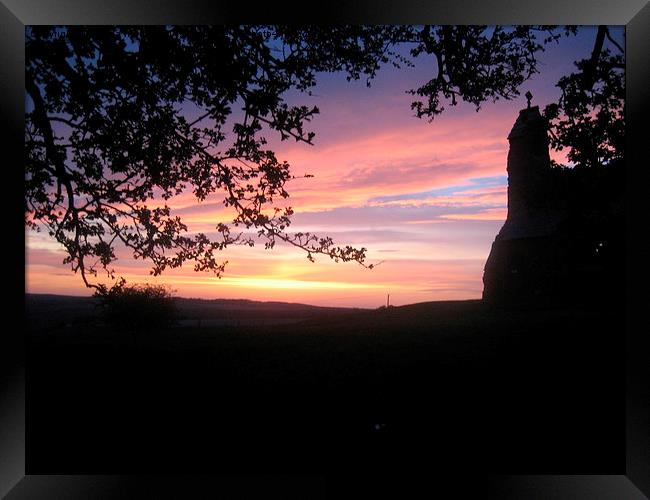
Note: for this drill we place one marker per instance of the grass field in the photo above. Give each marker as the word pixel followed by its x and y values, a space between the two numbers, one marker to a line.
pixel 451 384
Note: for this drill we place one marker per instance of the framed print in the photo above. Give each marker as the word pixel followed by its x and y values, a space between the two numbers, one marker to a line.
pixel 474 324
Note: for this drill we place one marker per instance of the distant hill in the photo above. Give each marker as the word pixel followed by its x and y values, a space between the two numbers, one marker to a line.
pixel 43 310
pixel 236 312
pixel 47 310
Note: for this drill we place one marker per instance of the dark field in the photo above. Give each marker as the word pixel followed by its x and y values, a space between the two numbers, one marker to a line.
pixel 459 385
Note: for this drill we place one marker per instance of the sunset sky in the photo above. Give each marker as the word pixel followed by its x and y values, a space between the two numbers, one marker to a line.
pixel 425 199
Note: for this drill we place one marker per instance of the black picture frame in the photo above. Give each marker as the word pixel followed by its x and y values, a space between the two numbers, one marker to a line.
pixel 632 483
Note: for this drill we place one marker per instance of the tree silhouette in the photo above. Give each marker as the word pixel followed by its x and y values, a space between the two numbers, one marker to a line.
pixel 119 120
pixel 137 307
pixel 589 117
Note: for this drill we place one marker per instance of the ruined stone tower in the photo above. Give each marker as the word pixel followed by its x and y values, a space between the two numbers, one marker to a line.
pixel 526 258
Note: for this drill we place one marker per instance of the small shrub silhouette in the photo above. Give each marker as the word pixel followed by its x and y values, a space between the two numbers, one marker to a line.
pixel 138 306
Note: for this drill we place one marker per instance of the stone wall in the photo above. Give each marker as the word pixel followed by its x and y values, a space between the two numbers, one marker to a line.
pixel 528 257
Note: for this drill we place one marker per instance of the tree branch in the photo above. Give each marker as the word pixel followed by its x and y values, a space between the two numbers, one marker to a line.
pixel 614 42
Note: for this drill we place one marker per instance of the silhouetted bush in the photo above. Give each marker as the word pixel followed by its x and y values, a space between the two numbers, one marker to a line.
pixel 138 306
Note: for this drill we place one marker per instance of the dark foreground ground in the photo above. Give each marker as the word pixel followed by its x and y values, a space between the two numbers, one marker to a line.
pixel 456 385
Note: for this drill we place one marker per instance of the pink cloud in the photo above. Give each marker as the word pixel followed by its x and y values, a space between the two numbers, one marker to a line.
pixel 494 214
